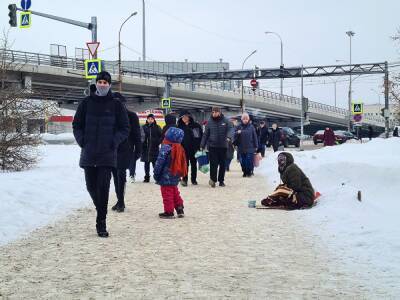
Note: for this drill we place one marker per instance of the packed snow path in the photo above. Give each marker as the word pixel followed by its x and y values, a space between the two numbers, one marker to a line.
pixel 220 249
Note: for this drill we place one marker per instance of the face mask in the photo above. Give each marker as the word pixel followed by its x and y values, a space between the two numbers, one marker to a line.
pixel 102 90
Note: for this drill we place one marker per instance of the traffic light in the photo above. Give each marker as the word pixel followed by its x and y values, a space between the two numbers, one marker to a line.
pixel 13 15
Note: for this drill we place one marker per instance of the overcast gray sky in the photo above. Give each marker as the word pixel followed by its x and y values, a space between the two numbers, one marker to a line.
pixel 313 33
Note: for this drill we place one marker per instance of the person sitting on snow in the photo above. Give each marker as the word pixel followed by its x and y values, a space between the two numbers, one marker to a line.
pixel 296 191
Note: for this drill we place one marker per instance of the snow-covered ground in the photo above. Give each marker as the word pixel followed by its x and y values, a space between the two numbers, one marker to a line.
pixel 37 197
pixel 366 232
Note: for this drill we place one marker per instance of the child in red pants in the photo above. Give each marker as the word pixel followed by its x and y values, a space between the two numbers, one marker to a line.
pixel 169 168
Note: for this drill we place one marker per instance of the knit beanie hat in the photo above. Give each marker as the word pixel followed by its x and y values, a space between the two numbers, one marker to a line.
pixel 104 76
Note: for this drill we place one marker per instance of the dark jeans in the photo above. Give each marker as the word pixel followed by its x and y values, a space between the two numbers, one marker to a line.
pixel 98 185
pixel 217 158
pixel 119 176
pixel 147 169
pixel 132 165
pixel 227 164
pixel 190 159
pixel 247 163
pixel 262 150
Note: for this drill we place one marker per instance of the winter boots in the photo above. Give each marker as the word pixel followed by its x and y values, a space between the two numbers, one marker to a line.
pixel 165 215
pixel 118 207
pixel 101 228
pixel 146 179
pixel 212 183
pixel 180 212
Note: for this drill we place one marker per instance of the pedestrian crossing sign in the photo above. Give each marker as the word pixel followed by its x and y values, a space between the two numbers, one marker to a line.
pixel 357 108
pixel 92 68
pixel 25 19
pixel 166 103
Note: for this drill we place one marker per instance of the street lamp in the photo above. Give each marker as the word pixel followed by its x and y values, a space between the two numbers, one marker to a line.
pixel 119 51
pixel 242 98
pixel 271 32
pixel 350 35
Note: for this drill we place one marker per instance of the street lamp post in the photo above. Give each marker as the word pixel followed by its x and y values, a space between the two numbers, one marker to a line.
pixel 242 98
pixel 350 35
pixel 144 32
pixel 271 32
pixel 119 51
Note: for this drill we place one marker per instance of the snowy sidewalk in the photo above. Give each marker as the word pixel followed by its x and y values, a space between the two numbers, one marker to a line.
pixel 220 249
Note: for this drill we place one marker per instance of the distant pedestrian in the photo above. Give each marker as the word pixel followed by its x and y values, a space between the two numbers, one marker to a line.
pixel 370 132
pixel 169 168
pixel 396 131
pixel 263 138
pixel 246 136
pixel 329 137
pixel 100 125
pixel 128 151
pixel 193 134
pixel 217 133
pixel 230 152
pixel 275 138
pixel 151 144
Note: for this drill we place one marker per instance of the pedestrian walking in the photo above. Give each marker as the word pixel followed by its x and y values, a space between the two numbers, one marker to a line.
pixel 128 151
pixel 151 143
pixel 396 131
pixel 247 141
pixel 100 125
pixel 193 134
pixel 329 137
pixel 370 132
pixel 169 168
pixel 263 138
pixel 230 152
pixel 275 138
pixel 217 133
pixel 170 121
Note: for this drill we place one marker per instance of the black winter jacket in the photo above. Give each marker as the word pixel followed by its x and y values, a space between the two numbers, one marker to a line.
pixel 100 125
pixel 275 138
pixel 151 143
pixel 264 134
pixel 170 121
pixel 193 135
pixel 217 132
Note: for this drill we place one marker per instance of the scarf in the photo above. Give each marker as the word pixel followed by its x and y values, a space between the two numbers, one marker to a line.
pixel 178 159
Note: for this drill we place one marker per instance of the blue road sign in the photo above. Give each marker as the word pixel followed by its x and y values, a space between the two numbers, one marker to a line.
pixel 26 4
pixel 92 68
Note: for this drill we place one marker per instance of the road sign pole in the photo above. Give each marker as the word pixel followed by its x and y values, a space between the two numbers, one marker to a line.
pixel 301 111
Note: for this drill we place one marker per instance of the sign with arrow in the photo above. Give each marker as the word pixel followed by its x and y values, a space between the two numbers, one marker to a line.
pixel 93 46
pixel 26 4
pixel 25 19
pixel 92 68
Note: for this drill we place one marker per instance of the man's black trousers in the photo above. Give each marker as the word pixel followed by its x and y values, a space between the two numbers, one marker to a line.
pixel 217 157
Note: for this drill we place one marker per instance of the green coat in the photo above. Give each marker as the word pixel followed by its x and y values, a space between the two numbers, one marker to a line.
pixel 294 178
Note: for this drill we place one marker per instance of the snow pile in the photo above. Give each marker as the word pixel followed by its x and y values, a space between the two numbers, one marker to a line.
pixel 366 232
pixel 31 199
pixel 62 138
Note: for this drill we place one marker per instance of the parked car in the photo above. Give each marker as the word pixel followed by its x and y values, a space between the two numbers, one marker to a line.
pixel 318 137
pixel 290 137
pixel 342 136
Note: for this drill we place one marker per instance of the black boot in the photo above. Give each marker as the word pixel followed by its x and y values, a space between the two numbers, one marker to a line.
pixel 101 228
pixel 165 215
pixel 119 207
pixel 194 182
pixel 146 179
pixel 184 182
pixel 180 212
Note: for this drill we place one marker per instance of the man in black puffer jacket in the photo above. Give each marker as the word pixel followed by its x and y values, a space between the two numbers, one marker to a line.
pixel 100 125
pixel 191 143
pixel 151 143
pixel 128 150
pixel 218 131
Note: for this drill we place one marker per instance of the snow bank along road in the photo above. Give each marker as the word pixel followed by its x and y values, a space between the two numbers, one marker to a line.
pixel 220 249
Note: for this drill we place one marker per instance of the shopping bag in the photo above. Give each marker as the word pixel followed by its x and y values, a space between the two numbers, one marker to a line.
pixel 257 159
pixel 202 160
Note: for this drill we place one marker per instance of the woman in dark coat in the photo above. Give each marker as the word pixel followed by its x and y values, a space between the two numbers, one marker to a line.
pixel 296 191
pixel 247 141
pixel 275 137
pixel 152 140
pixel 329 137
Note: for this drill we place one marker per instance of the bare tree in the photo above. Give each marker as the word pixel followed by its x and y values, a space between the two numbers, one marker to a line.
pixel 395 83
pixel 20 111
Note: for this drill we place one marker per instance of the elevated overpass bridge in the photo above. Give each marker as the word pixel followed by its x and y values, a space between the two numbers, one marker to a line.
pixel 62 79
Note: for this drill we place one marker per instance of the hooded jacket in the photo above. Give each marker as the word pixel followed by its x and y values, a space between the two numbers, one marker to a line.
pixel 170 121
pixel 100 125
pixel 162 171
pixel 193 134
pixel 151 141
pixel 294 178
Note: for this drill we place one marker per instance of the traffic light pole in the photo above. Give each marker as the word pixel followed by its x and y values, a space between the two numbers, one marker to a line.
pixel 92 26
